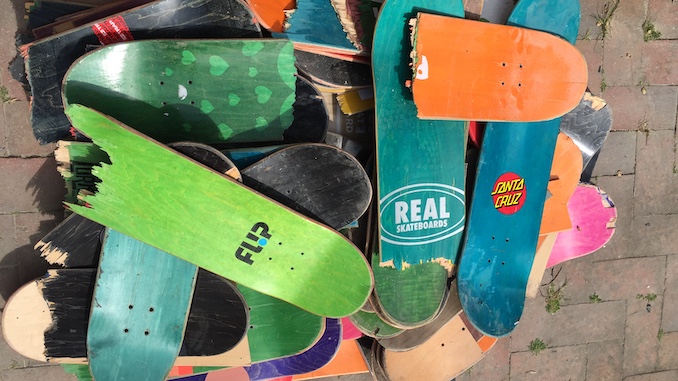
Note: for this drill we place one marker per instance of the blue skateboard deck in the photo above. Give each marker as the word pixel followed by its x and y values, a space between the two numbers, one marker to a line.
pixel 420 167
pixel 139 310
pixel 510 190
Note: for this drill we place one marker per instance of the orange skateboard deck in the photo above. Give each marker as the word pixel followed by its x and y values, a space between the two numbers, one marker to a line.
pixel 271 13
pixel 470 70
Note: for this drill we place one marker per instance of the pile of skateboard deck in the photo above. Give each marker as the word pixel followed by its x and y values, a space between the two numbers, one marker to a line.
pixel 287 190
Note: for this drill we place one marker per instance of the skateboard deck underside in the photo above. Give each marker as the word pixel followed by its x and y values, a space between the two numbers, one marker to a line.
pixel 343 282
pixel 189 91
pixel 136 328
pixel 469 70
pixel 160 19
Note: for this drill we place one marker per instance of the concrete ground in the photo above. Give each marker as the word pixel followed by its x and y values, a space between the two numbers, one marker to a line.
pixel 619 315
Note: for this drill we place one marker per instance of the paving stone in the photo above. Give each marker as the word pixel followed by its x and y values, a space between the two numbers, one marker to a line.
pixel 587 26
pixel 21 141
pixel 34 185
pixel 656 182
pixel 656 235
pixel 554 364
pixel 633 110
pixel 622 244
pixel 7 236
pixel 668 351
pixel 659 64
pixel 593 53
pixel 617 155
pixel 670 307
pixel 623 45
pixel 664 15
pixel 604 360
pixel 578 275
pixel 493 367
pixel 670 375
pixel 623 279
pixel 46 372
pixel 641 345
pixel 576 324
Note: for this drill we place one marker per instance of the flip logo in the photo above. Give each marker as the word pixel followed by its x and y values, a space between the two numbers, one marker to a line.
pixel 509 193
pixel 255 241
pixel 421 214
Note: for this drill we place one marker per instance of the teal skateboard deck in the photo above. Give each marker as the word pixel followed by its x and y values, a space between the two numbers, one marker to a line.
pixel 420 166
pixel 208 91
pixel 260 243
pixel 509 194
pixel 139 310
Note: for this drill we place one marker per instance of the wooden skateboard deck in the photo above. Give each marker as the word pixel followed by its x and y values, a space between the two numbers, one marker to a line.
pixel 271 13
pixel 136 328
pixel 588 125
pixel 530 14
pixel 65 296
pixel 188 90
pixel 162 18
pixel 510 190
pixel 413 338
pixel 420 167
pixel 344 282
pixel 445 355
pixel 493 72
pixel 593 218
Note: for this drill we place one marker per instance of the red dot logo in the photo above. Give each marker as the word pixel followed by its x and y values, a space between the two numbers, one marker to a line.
pixel 509 193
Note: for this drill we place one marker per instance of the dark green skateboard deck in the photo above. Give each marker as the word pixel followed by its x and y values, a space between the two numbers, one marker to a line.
pixel 260 243
pixel 216 90
pixel 420 166
pixel 49 59
pixel 139 310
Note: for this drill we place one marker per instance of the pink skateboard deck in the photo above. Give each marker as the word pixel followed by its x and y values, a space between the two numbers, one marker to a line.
pixel 593 216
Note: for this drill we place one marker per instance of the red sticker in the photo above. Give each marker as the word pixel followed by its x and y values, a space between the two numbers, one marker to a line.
pixel 112 30
pixel 509 193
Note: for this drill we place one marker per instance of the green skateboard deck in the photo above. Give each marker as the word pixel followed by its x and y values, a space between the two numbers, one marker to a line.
pixel 139 310
pixel 260 244
pixel 420 166
pixel 208 91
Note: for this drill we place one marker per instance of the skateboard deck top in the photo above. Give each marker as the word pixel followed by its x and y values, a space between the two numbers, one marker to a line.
pixel 588 125
pixel 493 72
pixel 593 218
pixel 136 328
pixel 159 19
pixel 64 296
pixel 533 14
pixel 372 325
pixel 332 71
pixel 194 201
pixel 209 91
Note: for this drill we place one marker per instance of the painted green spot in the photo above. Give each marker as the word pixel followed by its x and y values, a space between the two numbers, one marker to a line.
pixel 253 71
pixel 224 131
pixel 261 123
pixel 168 72
pixel 233 99
pixel 206 106
pixel 187 57
pixel 217 65
pixel 263 94
pixel 187 127
pixel 251 48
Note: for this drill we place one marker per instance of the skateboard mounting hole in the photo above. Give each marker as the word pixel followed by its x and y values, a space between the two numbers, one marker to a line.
pixel 164 103
pixel 192 102
pixel 190 82
pixel 503 64
pixel 251 327
pixel 502 83
pixel 503 263
pixel 279 243
pixel 463 328
pixel 291 268
pixel 147 332
pixel 162 83
pixel 126 330
pixel 270 259
pixel 492 237
pixel 520 66
pixel 130 306
pixel 442 345
pixel 489 261
pixel 519 85
pixel 507 239
pixel 151 309
pixel 302 253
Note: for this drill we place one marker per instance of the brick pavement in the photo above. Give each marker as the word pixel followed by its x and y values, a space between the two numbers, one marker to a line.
pixel 616 336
